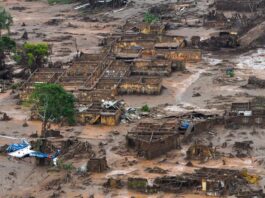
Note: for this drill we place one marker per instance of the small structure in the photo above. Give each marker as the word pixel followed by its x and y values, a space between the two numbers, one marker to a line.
pixel 157 67
pixel 95 113
pixel 200 152
pixel 153 139
pixel 97 165
pixel 145 28
pixel 140 85
pixel 247 113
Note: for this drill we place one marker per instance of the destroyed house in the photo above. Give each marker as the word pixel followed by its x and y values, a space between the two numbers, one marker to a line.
pixel 85 97
pixel 256 82
pixel 210 181
pixel 85 71
pixel 40 75
pixel 240 5
pixel 151 139
pixel 155 67
pixel 256 107
pixel 220 182
pixel 140 85
pixel 95 113
pixel 143 41
pixel 248 113
pixel 145 28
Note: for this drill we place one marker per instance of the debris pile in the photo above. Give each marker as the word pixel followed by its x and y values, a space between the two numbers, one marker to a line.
pixel 73 148
pixel 254 82
pixel 223 40
pixel 210 181
pixel 157 170
pixel 240 5
pixel 4 117
pixel 247 113
pixel 201 152
pixel 243 149
pixel 99 4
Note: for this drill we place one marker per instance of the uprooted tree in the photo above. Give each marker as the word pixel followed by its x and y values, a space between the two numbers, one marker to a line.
pixel 33 55
pixel 52 104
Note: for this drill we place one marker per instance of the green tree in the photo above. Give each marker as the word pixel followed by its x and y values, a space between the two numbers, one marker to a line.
pixel 53 104
pixel 6 45
pixel 150 18
pixel 33 55
pixel 5 20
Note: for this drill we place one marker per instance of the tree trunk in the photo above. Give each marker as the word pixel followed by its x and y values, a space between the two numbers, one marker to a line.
pixel 43 128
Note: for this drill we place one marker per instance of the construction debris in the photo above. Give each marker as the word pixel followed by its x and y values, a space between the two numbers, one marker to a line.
pixel 254 82
pixel 243 149
pixel 73 148
pixel 210 181
pixel 200 152
pixel 156 170
pixel 240 5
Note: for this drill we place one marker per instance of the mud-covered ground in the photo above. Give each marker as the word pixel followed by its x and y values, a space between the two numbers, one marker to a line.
pixel 22 178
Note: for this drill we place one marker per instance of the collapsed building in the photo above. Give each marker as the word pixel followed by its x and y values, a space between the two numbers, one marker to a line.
pixel 200 152
pixel 208 181
pixel 221 40
pixel 246 113
pixel 132 61
pixel 240 5
pixel 255 82
pixel 153 139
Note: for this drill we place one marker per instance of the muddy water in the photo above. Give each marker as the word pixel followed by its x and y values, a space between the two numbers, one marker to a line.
pixel 252 60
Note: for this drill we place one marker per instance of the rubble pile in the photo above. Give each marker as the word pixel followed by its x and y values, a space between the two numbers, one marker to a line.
pixel 4 117
pixel 240 5
pixel 254 82
pixel 223 40
pixel 73 148
pixel 201 152
pixel 210 181
pixel 243 149
pixel 96 4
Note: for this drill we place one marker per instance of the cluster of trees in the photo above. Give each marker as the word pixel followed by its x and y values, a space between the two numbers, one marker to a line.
pixel 51 101
pixel 30 55
pixel 6 43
